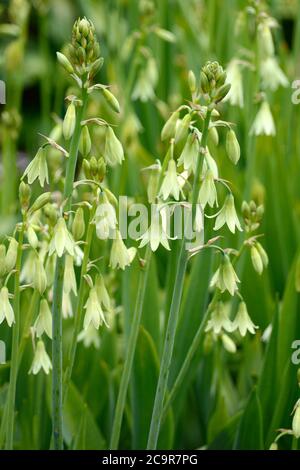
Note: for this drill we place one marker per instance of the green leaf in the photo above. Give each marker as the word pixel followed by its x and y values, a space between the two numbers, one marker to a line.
pixel 249 434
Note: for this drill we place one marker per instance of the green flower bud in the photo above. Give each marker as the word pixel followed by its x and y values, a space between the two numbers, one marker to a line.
pixel 39 276
pixel 222 92
pixel 51 214
pixel 256 260
pixel 78 226
pixel 204 83
pixel 2 260
pixel 69 122
pixel 213 135
pixel 228 344
pixel 101 169
pixel 111 100
pixel 85 143
pixel 232 147
pixel 182 128
pixel 296 421
pixel 32 237
pixel 192 81
pixel 263 254
pixel 245 210
pixel 11 255
pixel 96 66
pixel 87 169
pixel 168 131
pixel 24 195
pixel 40 202
pixel 93 167
pixel 64 61
pixel 114 153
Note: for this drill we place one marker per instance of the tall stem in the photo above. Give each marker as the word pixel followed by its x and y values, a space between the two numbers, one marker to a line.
pixel 162 384
pixel 80 304
pixel 126 374
pixel 15 347
pixel 58 289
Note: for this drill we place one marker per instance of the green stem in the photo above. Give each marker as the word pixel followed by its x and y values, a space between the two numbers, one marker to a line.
pixel 58 289
pixel 126 374
pixel 15 347
pixel 80 303
pixel 162 385
pixel 9 162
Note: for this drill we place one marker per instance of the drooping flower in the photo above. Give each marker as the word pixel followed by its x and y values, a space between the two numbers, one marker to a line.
pixel 170 185
pixel 146 82
pixel 219 320
pixel 70 283
pixel 228 216
pixel 103 295
pixel 89 337
pixel 113 153
pixel 155 234
pixel 263 123
pixel 120 255
pixel 208 192
pixel 225 277
pixel 243 322
pixel 67 307
pixel 234 77
pixel 38 168
pixel 39 279
pixel 189 154
pixel 94 313
pixel 6 310
pixel 62 240
pixel 272 75
pixel 105 218
pixel 43 323
pixel 41 360
pixel 11 255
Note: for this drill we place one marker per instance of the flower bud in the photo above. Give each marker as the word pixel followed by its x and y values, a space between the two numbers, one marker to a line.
pixel 62 59
pixel 51 214
pixel 24 195
pixel 69 121
pixel 40 202
pixel 204 83
pixel 32 237
pixel 232 147
pixel 114 153
pixel 78 226
pixel 2 260
pixel 86 169
pixel 85 143
pixel 213 135
pixel 228 344
pixel 111 100
pixel 11 255
pixel 39 276
pixel 296 421
pixel 256 260
pixel 182 128
pixel 96 66
pixel 263 254
pixel 222 92
pixel 192 81
pixel 168 131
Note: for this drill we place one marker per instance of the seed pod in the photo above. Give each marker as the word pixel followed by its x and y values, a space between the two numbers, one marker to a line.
pixel 78 226
pixel 62 59
pixel 192 81
pixel 40 202
pixel 232 147
pixel 69 122
pixel 168 130
pixel 32 237
pixel 85 143
pixel 11 255
pixel 2 260
pixel 256 260
pixel 24 195
pixel 263 254
pixel 222 92
pixel 111 100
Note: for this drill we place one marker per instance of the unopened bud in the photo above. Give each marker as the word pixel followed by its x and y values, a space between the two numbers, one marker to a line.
pixel 168 131
pixel 96 66
pixel 256 260
pixel 86 169
pixel 111 100
pixel 192 81
pixel 40 202
pixel 204 83
pixel 78 226
pixel 222 92
pixel 232 147
pixel 263 254
pixel 11 255
pixel 2 260
pixel 32 237
pixel 213 135
pixel 182 128
pixel 24 195
pixel 85 143
pixel 69 121
pixel 64 61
